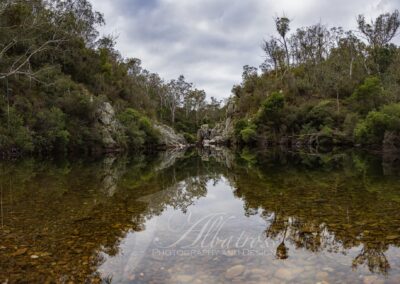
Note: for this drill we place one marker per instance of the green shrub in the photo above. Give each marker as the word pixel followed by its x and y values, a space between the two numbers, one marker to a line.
pixel 245 131
pixel 272 106
pixel 239 126
pixel 138 128
pixel 350 124
pixel 322 115
pixel 50 131
pixel 13 134
pixel 248 135
pixel 190 138
pixel 372 129
pixel 368 96
pixel 270 112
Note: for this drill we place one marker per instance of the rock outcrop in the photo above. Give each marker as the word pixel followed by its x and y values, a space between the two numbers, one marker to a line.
pixel 169 138
pixel 221 134
pixel 109 127
pixel 391 142
pixel 391 153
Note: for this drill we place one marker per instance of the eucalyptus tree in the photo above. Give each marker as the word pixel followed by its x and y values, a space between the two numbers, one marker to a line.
pixel 22 25
pixel 282 25
pixel 310 45
pixel 199 103
pixel 379 33
pixel 275 55
pixel 33 33
pixel 178 90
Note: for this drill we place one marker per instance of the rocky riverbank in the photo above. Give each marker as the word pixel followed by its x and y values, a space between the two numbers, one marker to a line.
pixel 221 134
pixel 111 131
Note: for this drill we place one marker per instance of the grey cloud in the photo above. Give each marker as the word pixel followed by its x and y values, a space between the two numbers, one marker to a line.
pixel 210 40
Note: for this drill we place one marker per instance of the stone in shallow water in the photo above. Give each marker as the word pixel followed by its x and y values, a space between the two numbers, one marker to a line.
pixel 157 257
pixel 322 275
pixel 184 278
pixel 20 251
pixel 234 271
pixel 393 237
pixel 372 279
pixel 329 269
pixel 258 272
pixel 287 274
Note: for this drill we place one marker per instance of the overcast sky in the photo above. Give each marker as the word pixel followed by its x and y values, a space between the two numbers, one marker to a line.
pixel 209 41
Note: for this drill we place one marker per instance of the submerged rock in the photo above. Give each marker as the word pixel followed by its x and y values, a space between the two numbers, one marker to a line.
pixel 288 273
pixel 184 278
pixel 234 271
pixel 372 279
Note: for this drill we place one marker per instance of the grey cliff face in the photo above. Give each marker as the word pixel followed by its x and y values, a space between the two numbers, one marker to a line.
pixel 221 134
pixel 169 138
pixel 110 127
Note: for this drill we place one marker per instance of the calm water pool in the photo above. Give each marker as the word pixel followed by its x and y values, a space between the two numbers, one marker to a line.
pixel 210 216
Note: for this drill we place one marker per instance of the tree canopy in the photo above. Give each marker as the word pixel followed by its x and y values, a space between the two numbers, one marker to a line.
pixel 321 85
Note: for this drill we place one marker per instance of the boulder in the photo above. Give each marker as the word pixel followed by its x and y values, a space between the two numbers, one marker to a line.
pixel 110 128
pixel 204 133
pixel 221 134
pixel 391 142
pixel 169 138
pixel 234 271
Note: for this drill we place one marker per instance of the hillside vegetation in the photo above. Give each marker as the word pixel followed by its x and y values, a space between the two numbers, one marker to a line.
pixel 56 73
pixel 323 86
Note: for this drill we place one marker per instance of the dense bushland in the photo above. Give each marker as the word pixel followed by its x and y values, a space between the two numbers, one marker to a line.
pixel 323 86
pixel 55 73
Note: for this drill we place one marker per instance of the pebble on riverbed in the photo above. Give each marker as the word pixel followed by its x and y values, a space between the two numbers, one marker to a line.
pixel 288 274
pixel 234 271
pixel 372 279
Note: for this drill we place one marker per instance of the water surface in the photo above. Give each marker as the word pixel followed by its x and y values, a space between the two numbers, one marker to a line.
pixel 202 217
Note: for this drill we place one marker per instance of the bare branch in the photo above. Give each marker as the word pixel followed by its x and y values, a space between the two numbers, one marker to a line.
pixel 17 70
pixel 7 47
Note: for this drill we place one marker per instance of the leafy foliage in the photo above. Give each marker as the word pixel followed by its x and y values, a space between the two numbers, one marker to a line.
pixel 55 72
pixel 372 129
pixel 139 131
pixel 322 85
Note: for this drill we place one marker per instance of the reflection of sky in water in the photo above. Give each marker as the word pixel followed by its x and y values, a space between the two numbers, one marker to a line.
pixel 175 232
pixel 308 216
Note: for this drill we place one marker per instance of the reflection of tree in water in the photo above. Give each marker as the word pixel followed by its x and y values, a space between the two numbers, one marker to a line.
pixel 67 213
pixel 179 195
pixel 325 203
pixel 374 258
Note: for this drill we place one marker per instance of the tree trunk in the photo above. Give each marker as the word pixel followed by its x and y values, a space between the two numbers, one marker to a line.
pixel 287 52
pixel 173 115
pixel 337 100
pixel 351 67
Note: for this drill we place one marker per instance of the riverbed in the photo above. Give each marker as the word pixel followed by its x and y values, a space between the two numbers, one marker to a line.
pixel 202 216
